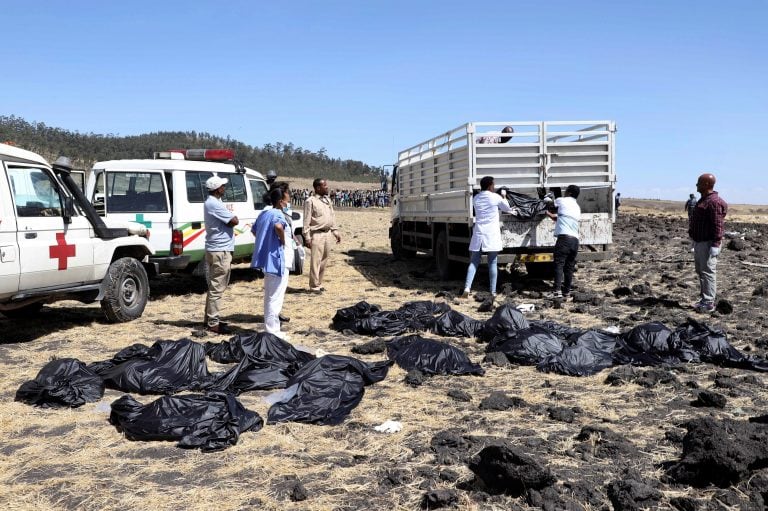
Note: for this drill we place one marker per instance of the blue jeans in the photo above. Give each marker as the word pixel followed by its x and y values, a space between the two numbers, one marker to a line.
pixel 474 262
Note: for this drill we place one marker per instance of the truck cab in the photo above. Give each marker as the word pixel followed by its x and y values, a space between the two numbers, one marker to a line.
pixel 53 246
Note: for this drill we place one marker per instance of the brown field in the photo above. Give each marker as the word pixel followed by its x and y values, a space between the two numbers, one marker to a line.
pixel 74 459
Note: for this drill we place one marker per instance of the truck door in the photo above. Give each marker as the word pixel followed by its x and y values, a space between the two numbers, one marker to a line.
pixel 135 196
pixel 9 249
pixel 51 252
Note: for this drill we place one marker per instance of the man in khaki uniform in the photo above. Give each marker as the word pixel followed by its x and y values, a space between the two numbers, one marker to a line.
pixel 319 225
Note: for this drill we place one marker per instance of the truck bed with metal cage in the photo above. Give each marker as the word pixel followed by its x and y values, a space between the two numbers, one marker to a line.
pixel 434 181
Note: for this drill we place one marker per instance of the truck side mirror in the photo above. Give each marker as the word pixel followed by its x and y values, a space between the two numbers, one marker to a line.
pixel 69 209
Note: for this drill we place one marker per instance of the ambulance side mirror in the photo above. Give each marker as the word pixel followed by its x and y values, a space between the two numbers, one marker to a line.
pixel 69 209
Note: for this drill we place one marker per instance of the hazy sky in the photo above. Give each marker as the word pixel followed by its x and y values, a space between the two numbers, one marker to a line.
pixel 686 82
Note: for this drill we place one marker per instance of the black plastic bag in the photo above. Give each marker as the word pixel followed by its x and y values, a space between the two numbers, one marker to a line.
pixel 164 368
pixel 268 363
pixel 504 319
pixel 345 318
pixel 326 390
pixel 652 344
pixel 430 357
pixel 210 422
pixel 528 207
pixel 588 353
pixel 62 382
pixel 526 346
pixel 456 324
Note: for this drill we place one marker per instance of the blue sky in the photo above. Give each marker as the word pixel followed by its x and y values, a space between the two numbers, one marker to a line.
pixel 686 82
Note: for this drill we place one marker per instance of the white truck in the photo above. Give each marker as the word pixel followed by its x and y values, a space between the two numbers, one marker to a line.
pixel 167 194
pixel 434 181
pixel 53 245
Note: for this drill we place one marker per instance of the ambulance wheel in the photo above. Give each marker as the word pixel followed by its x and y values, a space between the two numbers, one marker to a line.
pixel 126 290
pixel 25 312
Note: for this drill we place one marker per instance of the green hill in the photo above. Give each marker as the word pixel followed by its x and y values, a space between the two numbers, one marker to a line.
pixel 86 148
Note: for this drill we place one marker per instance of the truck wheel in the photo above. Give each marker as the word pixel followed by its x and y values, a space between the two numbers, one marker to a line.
pixel 447 269
pixel 540 270
pixel 396 243
pixel 126 290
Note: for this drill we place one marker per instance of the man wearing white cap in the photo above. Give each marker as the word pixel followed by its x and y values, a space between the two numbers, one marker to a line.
pixel 219 245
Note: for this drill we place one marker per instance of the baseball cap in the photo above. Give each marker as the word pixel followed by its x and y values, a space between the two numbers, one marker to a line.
pixel 215 182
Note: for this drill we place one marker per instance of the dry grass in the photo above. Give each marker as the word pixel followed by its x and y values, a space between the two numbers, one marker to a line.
pixel 73 459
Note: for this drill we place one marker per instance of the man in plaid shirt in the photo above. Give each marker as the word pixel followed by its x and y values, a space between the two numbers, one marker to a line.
pixel 705 227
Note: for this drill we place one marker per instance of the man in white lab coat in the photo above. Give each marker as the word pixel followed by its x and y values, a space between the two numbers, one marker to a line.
pixel 486 235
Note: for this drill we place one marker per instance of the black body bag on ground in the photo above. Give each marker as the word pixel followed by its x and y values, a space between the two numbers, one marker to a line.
pixel 164 368
pixel 62 382
pixel 345 318
pixel 267 362
pixel 326 390
pixel 455 324
pixel 430 357
pixel 411 317
pixel 527 346
pixel 586 353
pixel 210 422
pixel 505 318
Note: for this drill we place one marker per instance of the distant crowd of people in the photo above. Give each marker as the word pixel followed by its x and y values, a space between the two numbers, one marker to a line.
pixel 347 198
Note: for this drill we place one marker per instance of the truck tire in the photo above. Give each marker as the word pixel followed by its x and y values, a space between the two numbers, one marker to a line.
pixel 396 243
pixel 545 270
pixel 447 269
pixel 126 290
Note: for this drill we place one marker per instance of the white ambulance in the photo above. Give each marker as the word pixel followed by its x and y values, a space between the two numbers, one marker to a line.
pixel 167 193
pixel 54 246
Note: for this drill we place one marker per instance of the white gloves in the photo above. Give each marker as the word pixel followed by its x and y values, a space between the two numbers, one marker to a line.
pixel 549 198
pixel 714 251
pixel 389 427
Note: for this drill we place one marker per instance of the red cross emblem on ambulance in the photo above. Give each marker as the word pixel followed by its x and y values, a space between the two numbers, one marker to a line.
pixel 61 251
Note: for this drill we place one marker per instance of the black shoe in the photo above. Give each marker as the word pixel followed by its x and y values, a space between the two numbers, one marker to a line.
pixel 283 319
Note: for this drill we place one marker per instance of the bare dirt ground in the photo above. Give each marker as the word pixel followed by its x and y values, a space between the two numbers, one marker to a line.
pixel 74 459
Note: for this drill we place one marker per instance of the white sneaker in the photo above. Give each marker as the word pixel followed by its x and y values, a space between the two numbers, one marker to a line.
pixel 464 294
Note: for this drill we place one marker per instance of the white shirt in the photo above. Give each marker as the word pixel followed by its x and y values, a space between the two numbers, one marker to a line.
pixel 568 216
pixel 486 235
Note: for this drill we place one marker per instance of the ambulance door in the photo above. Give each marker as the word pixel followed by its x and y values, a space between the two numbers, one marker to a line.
pixel 139 196
pixel 52 253
pixel 237 198
pixel 9 249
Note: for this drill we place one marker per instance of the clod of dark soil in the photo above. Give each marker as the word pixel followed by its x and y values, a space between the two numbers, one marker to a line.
pixel 737 245
pixel 370 348
pixel 450 447
pixel 505 470
pixel 435 499
pixel 622 291
pixel 720 452
pixel 415 378
pixel 460 395
pixel 630 494
pixel 707 398
pixel 603 443
pixel 685 504
pixel 496 358
pixel 561 414
pixel 500 401
pixel 724 307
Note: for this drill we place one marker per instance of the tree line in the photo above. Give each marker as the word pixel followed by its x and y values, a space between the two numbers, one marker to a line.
pixel 87 148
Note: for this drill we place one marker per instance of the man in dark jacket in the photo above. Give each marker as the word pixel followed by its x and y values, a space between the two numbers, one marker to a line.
pixel 706 227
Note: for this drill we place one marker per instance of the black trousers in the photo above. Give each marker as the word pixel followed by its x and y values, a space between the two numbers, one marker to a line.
pixel 566 250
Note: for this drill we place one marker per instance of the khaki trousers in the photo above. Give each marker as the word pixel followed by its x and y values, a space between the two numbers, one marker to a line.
pixel 321 249
pixel 219 269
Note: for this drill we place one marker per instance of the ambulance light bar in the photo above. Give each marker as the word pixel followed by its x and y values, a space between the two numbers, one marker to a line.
pixel 197 154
